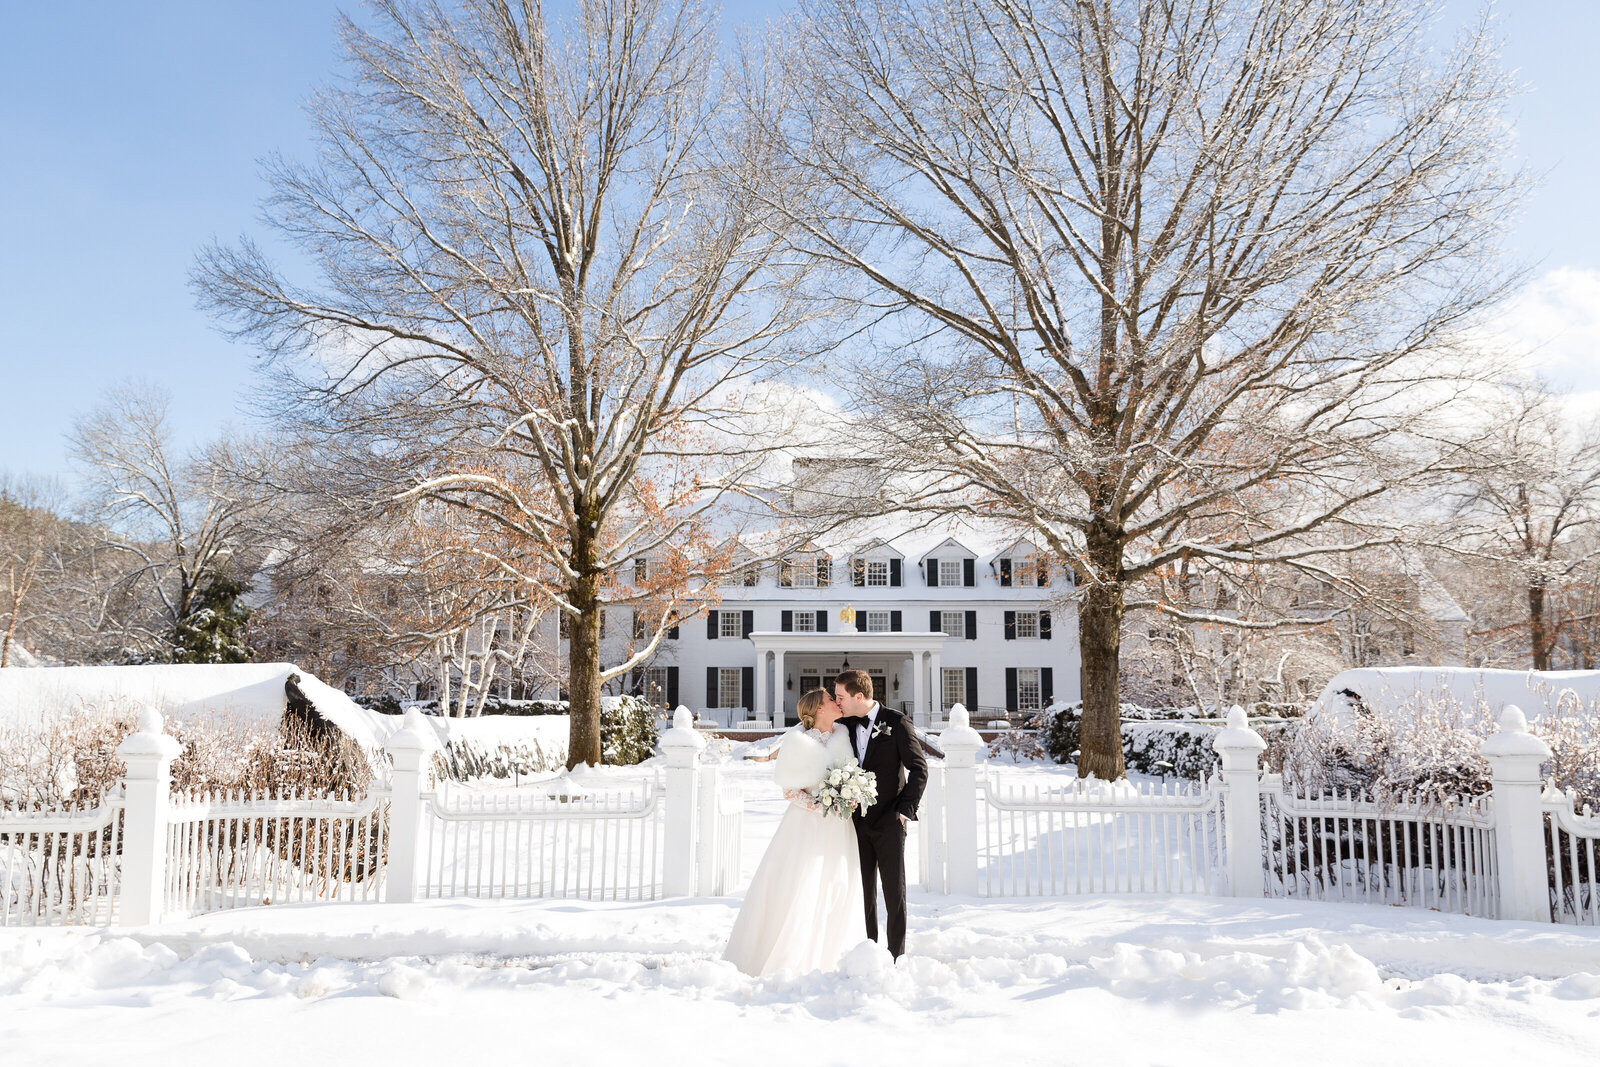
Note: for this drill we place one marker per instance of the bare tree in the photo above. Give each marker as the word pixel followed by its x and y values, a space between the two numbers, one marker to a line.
pixel 1529 501
pixel 1152 280
pixel 177 520
pixel 549 263
pixel 31 552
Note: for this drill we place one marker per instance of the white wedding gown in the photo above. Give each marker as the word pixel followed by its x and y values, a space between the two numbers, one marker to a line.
pixel 803 910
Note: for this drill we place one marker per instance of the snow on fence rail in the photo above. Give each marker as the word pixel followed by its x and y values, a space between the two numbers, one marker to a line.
pixel 60 867
pixel 237 851
pixel 1355 849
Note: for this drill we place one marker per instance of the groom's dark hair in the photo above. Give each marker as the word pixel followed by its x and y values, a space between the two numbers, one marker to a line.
pixel 855 682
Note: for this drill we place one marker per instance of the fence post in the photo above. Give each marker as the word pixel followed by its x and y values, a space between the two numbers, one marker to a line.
pixel 409 747
pixel 681 746
pixel 706 843
pixel 1514 757
pixel 1240 748
pixel 147 785
pixel 960 798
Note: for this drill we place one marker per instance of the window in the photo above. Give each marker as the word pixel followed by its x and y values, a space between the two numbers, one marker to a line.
pixel 803 573
pixel 953 623
pixel 1027 624
pixel 805 622
pixel 1028 696
pixel 730 686
pixel 655 684
pixel 878 572
pixel 950 572
pixel 730 624
pixel 955 687
pixel 640 570
pixel 877 622
pixel 1023 572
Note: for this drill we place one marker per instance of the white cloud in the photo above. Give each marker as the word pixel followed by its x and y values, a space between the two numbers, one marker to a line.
pixel 1552 328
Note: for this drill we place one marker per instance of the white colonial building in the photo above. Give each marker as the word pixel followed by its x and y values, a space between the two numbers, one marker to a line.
pixel 935 614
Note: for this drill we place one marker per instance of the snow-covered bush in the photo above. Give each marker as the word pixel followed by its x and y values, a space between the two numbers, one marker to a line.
pixel 1165 742
pixel 471 758
pixel 1021 746
pixel 628 730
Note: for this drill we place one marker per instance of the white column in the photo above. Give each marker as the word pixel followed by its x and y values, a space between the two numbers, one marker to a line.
pixel 410 749
pixel 935 687
pixel 960 795
pixel 148 753
pixel 1240 748
pixel 760 710
pixel 911 671
pixel 681 746
pixel 1515 756
pixel 777 688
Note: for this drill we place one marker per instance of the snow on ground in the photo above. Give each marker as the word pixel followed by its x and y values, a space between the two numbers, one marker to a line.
pixel 1105 979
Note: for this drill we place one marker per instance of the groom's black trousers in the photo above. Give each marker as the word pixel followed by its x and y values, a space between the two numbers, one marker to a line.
pixel 883 856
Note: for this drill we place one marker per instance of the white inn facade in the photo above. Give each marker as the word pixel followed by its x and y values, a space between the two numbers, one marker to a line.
pixel 936 616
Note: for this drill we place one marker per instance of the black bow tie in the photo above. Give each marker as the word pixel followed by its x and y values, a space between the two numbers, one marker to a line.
pixel 854 720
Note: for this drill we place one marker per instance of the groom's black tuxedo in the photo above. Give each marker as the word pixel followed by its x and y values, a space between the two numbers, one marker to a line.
pixel 894 755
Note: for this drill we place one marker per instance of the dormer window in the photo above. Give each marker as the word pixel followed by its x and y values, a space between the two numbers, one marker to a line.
pixel 751 574
pixel 1028 570
pixel 949 572
pixel 877 572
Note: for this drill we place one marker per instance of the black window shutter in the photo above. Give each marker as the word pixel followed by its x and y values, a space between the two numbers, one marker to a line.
pixel 711 629
pixel 894 572
pixel 933 571
pixel 749 624
pixel 935 623
pixel 861 621
pixel 1047 686
pixel 972 689
pixel 747 689
pixel 786 622
pixel 969 572
pixel 896 621
pixel 785 574
pixel 1044 572
pixel 638 625
pixel 711 687
pixel 1011 689
pixel 672 635
pixel 672 687
pixel 636 682
pixel 1044 625
pixel 822 622
pixel 858 571
pixel 824 570
pixel 972 626
pixel 1011 626
pixel 1005 572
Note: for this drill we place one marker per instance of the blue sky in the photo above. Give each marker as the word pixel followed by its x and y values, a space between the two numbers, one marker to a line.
pixel 129 135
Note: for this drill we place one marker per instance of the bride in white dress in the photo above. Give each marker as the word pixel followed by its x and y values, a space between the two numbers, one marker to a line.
pixel 803 910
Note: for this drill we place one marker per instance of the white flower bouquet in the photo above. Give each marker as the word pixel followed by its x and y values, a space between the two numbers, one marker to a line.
pixel 845 790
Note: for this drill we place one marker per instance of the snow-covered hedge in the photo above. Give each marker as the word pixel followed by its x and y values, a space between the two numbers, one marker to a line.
pixel 1157 741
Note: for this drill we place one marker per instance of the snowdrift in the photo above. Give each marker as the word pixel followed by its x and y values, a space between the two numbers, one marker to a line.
pixel 1387 691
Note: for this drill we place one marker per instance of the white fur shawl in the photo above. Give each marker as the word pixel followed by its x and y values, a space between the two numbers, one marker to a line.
pixel 803 760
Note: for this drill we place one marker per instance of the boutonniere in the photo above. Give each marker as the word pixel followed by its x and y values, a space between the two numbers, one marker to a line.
pixel 880 730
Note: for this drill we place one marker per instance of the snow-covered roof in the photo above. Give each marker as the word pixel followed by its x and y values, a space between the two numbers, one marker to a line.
pixel 1389 691
pixel 249 692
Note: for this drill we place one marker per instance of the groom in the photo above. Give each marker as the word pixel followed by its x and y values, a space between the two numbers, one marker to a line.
pixel 886 745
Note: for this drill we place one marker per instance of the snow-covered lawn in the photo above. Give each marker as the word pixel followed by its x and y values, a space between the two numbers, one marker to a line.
pixel 1118 980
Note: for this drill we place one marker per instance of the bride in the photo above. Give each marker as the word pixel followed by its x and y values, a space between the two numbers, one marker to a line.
pixel 803 909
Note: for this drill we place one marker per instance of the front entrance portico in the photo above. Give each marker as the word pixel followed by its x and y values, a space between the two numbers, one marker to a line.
pixel 908 664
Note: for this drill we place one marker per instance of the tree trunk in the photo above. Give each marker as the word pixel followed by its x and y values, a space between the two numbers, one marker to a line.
pixel 583 660
pixel 1099 651
pixel 1538 638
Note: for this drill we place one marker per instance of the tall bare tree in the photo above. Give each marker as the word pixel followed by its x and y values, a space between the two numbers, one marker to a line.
pixel 31 552
pixel 176 520
pixel 549 260
pixel 1529 501
pixel 1153 280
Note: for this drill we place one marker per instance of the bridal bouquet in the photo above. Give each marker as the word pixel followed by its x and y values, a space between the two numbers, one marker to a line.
pixel 845 790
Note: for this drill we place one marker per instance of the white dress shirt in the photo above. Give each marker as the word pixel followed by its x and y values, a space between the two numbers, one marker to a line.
pixel 864 731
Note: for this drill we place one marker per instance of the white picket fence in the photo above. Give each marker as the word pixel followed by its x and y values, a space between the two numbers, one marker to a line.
pixel 145 854
pixel 1511 854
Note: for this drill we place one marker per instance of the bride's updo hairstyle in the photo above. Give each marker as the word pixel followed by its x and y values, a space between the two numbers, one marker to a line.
pixel 808 705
